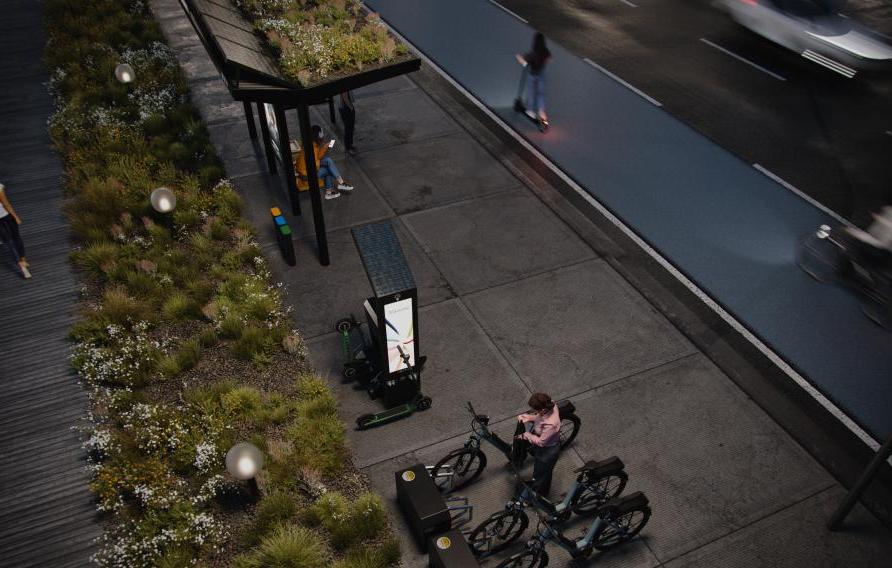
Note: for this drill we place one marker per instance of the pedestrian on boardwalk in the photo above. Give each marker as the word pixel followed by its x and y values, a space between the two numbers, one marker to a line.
pixel 348 115
pixel 9 232
pixel 542 429
pixel 535 62
pixel 325 166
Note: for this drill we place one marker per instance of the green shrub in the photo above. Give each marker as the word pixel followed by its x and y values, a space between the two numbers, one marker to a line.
pixel 274 510
pixel 140 283
pixel 95 256
pixel 380 556
pixel 189 354
pixel 347 523
pixel 290 546
pixel 319 407
pixel 207 337
pixel 232 327
pixel 118 307
pixel 184 359
pixel 178 307
pixel 242 401
pixel 251 344
pixel 318 443
pixel 310 386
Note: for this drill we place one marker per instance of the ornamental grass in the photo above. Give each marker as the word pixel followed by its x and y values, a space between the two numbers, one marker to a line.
pixel 183 343
pixel 318 40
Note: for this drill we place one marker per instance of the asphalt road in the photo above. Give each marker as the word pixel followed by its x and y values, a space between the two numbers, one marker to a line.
pixel 828 136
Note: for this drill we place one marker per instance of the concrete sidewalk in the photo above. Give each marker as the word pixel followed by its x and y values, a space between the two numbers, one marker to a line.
pixel 516 296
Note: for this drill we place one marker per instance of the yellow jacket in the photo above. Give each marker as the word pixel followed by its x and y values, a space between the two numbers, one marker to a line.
pixel 300 166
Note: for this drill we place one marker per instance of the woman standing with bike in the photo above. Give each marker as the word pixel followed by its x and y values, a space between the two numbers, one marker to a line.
pixel 542 429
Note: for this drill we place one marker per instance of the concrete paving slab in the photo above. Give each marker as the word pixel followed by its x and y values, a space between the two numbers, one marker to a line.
pixel 341 287
pixel 572 329
pixel 216 104
pixel 362 205
pixel 708 458
pixel 259 192
pixel 241 155
pixel 179 33
pixel 797 537
pixel 388 86
pixel 196 64
pixel 444 170
pixel 399 118
pixel 462 365
pixel 166 9
pixel 494 240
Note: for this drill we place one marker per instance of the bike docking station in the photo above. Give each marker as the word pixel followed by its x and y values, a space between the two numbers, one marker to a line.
pixel 434 519
pixel 384 360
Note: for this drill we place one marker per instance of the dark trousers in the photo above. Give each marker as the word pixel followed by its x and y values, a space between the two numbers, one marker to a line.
pixel 9 233
pixel 543 467
pixel 348 115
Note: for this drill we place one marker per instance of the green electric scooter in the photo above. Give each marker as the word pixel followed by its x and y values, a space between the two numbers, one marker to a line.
pixel 401 393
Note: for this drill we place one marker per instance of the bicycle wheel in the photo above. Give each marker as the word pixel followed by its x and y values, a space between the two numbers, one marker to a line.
pixel 599 491
pixel 459 468
pixel 569 428
pixel 498 532
pixel 528 559
pixel 622 528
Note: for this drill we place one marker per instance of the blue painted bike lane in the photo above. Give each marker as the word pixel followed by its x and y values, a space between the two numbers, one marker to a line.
pixel 727 227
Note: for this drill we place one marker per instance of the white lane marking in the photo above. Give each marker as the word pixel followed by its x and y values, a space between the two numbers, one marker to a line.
pixel 620 81
pixel 799 192
pixel 728 318
pixel 496 4
pixel 627 3
pixel 743 59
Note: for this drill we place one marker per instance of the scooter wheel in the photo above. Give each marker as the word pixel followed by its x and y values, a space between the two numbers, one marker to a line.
pixel 349 372
pixel 424 403
pixel 343 325
pixel 363 421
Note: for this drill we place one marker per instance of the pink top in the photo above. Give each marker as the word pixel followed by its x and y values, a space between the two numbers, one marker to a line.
pixel 546 428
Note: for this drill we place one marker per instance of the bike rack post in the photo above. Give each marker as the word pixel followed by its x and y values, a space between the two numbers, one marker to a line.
pixel 451 550
pixel 422 504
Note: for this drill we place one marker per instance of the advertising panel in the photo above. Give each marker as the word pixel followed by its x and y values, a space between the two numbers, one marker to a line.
pixel 270 112
pixel 400 334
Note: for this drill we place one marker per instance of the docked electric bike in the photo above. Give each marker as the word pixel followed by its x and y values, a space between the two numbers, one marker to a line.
pixel 464 465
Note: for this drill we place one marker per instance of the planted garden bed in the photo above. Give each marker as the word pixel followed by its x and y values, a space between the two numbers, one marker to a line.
pixel 183 343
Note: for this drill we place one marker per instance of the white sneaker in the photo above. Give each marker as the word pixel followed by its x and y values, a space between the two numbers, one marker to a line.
pixel 345 187
pixel 332 195
pixel 25 272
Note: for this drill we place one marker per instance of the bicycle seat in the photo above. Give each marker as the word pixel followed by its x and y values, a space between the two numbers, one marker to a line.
pixel 566 407
pixel 604 467
pixel 626 503
pixel 482 418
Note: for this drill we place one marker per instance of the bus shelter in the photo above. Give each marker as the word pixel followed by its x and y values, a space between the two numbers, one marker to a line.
pixel 253 77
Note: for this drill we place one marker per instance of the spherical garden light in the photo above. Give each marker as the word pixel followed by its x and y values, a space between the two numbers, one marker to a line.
pixel 125 73
pixel 244 460
pixel 163 200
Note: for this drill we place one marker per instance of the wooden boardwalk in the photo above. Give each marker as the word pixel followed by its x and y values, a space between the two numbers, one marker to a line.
pixel 47 514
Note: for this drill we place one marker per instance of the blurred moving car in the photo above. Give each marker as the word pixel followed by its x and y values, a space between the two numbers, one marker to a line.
pixel 815 29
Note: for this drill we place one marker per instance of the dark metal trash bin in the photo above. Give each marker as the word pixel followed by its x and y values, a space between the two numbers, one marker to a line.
pixel 450 550
pixel 422 504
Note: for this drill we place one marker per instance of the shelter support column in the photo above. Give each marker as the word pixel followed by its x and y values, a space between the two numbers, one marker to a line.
pixel 287 163
pixel 854 494
pixel 249 116
pixel 306 142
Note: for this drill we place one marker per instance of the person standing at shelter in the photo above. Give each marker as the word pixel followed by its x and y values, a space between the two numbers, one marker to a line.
pixel 542 430
pixel 9 232
pixel 325 166
pixel 348 115
pixel 535 62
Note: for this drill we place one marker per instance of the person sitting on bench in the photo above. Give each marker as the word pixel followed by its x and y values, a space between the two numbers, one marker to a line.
pixel 325 166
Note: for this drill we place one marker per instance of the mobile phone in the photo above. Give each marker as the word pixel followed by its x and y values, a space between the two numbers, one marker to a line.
pixel 331 144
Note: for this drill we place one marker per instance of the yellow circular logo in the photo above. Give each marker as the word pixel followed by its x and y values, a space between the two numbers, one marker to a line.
pixel 408 475
pixel 443 542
